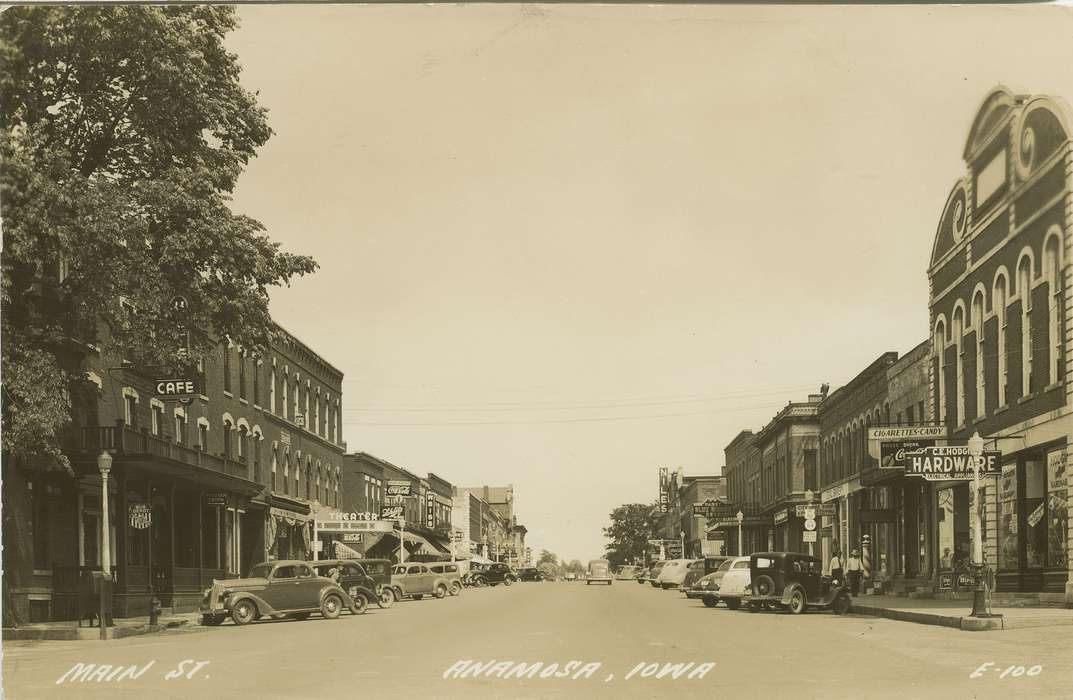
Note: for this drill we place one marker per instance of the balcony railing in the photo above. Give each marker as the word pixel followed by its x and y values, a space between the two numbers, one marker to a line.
pixel 123 439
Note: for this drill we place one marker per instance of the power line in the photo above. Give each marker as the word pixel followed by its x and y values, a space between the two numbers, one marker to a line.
pixel 563 420
pixel 597 403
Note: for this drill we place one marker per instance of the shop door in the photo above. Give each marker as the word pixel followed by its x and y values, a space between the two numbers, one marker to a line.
pixel 952 520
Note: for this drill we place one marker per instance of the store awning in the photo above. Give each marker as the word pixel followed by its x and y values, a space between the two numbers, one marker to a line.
pixel 344 552
pixel 478 559
pixel 420 544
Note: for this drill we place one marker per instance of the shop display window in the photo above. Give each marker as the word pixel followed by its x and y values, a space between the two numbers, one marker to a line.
pixel 1035 514
pixel 1057 510
pixel 1007 515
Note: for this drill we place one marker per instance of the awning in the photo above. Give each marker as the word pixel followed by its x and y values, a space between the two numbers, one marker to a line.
pixel 478 559
pixel 344 552
pixel 420 544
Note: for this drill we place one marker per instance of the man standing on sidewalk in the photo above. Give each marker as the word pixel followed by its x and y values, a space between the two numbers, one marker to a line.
pixel 853 572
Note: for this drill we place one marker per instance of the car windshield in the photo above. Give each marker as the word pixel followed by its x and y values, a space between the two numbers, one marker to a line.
pixel 742 564
pixel 261 571
pixel 725 565
pixel 699 565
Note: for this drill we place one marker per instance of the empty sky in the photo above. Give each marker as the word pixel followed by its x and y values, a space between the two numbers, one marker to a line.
pixel 562 247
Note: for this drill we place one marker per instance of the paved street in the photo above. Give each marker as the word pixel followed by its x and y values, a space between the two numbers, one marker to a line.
pixel 405 651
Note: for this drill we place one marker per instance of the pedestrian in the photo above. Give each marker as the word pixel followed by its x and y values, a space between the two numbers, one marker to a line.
pixel 853 571
pixel 836 568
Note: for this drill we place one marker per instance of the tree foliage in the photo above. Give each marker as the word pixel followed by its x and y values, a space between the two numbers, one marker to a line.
pixel 632 525
pixel 123 131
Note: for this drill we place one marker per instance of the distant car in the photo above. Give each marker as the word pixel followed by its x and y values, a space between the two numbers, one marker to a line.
pixel 642 574
pixel 417 581
pixel 351 577
pixel 626 573
pixel 673 573
pixel 653 573
pixel 735 583
pixel 450 572
pixel 531 573
pixel 495 574
pixel 793 582
pixel 571 577
pixel 599 572
pixel 276 589
pixel 379 570
pixel 700 568
pixel 707 587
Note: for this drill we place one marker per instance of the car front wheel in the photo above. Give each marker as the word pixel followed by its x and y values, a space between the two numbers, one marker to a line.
pixel 441 591
pixel 361 603
pixel 244 612
pixel 387 598
pixel 797 602
pixel 331 606
pixel 508 581
pixel 456 588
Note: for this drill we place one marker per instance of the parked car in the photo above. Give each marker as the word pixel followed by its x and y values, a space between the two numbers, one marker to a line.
pixel 626 573
pixel 673 573
pixel 495 574
pixel 571 577
pixel 379 570
pixel 707 587
pixel 599 572
pixel 653 573
pixel 277 589
pixel 735 583
pixel 531 573
pixel 417 581
pixel 794 582
pixel 351 577
pixel 451 572
pixel 642 574
pixel 701 568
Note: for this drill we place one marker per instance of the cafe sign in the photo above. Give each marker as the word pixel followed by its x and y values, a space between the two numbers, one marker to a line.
pixel 949 463
pixel 141 516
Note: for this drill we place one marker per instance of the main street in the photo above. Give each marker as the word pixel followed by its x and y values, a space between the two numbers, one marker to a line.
pixel 406 650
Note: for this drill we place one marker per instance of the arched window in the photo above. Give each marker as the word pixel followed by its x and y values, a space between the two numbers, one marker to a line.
pixel 309 416
pixel 978 326
pixel 294 404
pixel 999 298
pixel 241 443
pixel 1024 290
pixel 939 348
pixel 274 460
pixel 957 329
pixel 272 393
pixel 309 477
pixel 283 407
pixel 286 472
pixel 298 476
pixel 1052 268
pixel 316 416
pixel 229 428
pixel 318 483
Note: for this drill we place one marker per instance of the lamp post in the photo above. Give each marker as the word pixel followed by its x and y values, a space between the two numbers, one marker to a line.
pixel 682 542
pixel 741 517
pixel 104 465
pixel 976 453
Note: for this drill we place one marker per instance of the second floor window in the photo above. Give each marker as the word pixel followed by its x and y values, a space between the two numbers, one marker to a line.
pixel 157 418
pixel 180 429
pixel 256 384
pixel 242 375
pixel 130 410
pixel 203 437
pixel 227 368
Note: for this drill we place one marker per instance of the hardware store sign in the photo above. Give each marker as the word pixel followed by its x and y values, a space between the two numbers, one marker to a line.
pixel 949 463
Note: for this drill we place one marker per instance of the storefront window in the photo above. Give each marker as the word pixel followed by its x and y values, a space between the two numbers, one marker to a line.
pixel 1007 514
pixel 1035 514
pixel 1057 509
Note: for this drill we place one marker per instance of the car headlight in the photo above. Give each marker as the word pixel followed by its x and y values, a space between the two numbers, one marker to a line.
pixel 715 586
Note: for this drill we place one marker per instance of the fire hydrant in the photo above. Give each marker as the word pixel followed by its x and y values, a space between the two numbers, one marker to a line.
pixel 154 610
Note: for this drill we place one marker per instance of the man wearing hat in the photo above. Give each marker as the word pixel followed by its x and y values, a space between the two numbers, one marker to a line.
pixel 853 572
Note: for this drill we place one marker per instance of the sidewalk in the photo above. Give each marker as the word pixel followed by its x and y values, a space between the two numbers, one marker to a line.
pixel 123 627
pixel 955 613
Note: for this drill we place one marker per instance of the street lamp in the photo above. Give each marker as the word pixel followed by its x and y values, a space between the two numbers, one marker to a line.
pixel 976 453
pixel 741 517
pixel 104 465
pixel 682 541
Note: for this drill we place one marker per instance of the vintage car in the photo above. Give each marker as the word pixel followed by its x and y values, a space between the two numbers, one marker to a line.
pixel 494 574
pixel 735 583
pixel 707 587
pixel 673 573
pixel 379 570
pixel 451 572
pixel 626 573
pixel 794 582
pixel 276 589
pixel 599 572
pixel 701 568
pixel 531 573
pixel 351 577
pixel 416 581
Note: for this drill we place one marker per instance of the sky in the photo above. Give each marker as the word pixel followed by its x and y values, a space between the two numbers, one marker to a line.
pixel 561 247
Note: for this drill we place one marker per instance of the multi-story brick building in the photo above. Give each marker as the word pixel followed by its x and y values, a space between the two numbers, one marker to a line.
pixel 197 491
pixel 1001 289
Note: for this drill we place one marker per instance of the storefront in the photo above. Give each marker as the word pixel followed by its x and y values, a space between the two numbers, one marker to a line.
pixel 1033 520
pixel 838 523
pixel 288 529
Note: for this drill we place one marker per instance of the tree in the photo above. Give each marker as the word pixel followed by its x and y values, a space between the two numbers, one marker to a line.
pixel 123 132
pixel 632 525
pixel 547 557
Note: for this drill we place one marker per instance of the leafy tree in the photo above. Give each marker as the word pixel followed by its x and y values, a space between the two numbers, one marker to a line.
pixel 632 525
pixel 123 132
pixel 574 567
pixel 547 557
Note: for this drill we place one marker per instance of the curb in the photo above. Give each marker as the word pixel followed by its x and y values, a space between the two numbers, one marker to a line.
pixel 86 633
pixel 970 624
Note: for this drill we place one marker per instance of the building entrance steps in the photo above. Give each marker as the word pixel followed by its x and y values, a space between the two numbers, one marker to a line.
pixel 956 613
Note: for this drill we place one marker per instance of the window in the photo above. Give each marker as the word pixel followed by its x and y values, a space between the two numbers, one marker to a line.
pixel 939 348
pixel 157 419
pixel 309 416
pixel 242 374
pixel 283 407
pixel 272 392
pixel 1036 525
pixel 316 417
pixel 228 428
pixel 998 304
pixel 180 428
pixel 241 443
pixel 1057 518
pixel 1051 269
pixel 203 437
pixel 257 384
pixel 978 326
pixel 130 407
pixel 309 477
pixel 286 572
pixel 1024 289
pixel 294 404
pixel 227 367
pixel 274 460
pixel 958 330
pixel 1007 513
pixel 257 458
pixel 318 484
pixel 286 472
